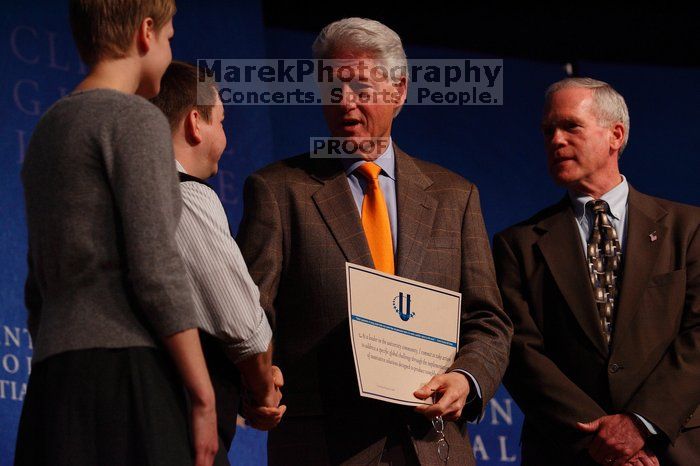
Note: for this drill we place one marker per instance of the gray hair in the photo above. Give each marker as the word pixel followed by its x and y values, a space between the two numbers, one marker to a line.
pixel 380 42
pixel 362 35
pixel 610 105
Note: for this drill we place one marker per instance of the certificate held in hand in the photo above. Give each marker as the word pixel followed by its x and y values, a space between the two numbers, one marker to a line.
pixel 403 333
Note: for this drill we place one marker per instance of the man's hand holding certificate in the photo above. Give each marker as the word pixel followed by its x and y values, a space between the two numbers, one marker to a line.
pixel 405 335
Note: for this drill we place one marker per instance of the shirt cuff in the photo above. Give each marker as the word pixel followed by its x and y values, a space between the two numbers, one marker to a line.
pixel 649 426
pixel 258 343
pixel 474 394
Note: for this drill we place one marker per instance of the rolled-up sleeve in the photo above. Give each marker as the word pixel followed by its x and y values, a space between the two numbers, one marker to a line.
pixel 227 301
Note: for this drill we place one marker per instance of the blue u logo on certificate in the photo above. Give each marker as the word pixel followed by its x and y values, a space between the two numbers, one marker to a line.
pixel 400 308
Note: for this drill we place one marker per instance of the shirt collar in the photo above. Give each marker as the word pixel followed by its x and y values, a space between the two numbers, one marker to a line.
pixel 385 161
pixel 180 168
pixel 616 199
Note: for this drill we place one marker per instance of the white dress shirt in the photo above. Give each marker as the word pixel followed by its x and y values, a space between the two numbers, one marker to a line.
pixel 227 301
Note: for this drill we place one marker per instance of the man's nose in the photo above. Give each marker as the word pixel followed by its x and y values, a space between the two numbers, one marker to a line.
pixel 556 138
pixel 349 98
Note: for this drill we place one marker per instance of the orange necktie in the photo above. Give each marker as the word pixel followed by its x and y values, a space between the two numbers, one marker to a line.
pixel 375 220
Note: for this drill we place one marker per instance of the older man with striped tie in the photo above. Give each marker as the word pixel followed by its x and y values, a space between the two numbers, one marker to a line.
pixel 305 217
pixel 603 289
pixel 236 335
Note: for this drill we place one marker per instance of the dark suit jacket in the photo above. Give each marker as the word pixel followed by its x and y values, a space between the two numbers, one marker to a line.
pixel 300 226
pixel 561 370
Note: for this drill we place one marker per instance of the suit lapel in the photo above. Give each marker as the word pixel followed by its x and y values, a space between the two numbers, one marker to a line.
pixel 561 247
pixel 415 215
pixel 337 207
pixel 641 253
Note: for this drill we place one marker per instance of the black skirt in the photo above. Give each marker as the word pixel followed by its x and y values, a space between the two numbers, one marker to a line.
pixel 121 407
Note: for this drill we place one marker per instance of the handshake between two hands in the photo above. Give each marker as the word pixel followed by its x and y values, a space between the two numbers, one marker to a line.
pixel 261 405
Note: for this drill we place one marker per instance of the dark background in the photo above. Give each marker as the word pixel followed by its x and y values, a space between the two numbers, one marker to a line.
pixel 659 34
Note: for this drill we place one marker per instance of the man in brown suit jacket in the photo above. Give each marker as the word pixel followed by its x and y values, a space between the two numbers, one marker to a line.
pixel 302 224
pixel 617 388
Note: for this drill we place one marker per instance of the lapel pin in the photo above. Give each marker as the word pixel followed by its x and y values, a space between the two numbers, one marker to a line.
pixel 652 236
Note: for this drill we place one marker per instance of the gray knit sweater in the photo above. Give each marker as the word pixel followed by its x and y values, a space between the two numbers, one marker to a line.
pixel 103 203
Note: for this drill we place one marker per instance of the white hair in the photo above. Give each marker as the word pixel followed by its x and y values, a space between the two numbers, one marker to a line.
pixel 610 105
pixel 366 36
pixel 363 35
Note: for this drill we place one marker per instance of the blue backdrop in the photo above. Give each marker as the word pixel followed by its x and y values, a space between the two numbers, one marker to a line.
pixel 498 148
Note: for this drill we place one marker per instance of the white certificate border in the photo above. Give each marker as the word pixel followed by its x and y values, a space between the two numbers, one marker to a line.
pixel 454 294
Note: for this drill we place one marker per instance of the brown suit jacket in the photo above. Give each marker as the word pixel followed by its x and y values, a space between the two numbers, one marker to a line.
pixel 300 226
pixel 561 370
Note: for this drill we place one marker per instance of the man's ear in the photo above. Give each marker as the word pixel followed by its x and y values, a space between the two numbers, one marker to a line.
pixel 401 91
pixel 398 97
pixel 617 136
pixel 144 35
pixel 192 133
